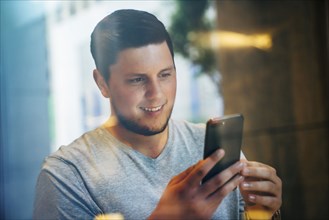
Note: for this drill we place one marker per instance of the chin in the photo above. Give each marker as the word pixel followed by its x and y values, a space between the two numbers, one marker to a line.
pixel 145 130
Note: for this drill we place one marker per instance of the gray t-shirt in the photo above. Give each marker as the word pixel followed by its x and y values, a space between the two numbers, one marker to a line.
pixel 98 174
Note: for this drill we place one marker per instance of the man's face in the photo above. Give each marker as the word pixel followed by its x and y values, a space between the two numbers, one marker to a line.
pixel 142 88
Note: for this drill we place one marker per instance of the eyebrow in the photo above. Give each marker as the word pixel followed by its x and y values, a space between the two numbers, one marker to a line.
pixel 172 67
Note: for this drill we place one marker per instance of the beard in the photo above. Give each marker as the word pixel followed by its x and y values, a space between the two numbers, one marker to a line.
pixel 135 127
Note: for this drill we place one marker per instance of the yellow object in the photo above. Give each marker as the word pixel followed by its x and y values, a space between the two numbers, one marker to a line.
pixel 226 39
pixel 257 213
pixel 111 216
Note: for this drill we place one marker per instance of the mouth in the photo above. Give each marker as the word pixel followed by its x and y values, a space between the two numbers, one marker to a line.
pixel 152 109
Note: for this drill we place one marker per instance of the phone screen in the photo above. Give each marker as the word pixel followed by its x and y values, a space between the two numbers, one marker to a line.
pixel 225 133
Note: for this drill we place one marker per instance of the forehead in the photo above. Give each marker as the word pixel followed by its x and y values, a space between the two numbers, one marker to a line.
pixel 143 59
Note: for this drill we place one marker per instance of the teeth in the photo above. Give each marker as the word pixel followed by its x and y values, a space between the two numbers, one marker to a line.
pixel 152 109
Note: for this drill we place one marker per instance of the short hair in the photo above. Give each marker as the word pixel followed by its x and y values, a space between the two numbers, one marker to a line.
pixel 123 29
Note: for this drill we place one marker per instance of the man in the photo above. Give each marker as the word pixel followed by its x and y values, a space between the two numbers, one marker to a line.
pixel 141 163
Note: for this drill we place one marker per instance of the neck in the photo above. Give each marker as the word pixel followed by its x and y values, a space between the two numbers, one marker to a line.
pixel 150 146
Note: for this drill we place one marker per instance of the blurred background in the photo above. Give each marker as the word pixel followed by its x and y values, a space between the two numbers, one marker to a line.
pixel 265 59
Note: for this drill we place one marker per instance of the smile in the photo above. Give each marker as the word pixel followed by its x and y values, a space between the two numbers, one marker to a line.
pixel 155 109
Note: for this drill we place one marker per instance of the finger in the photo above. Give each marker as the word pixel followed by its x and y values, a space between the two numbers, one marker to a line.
pixel 221 179
pixel 178 178
pixel 216 197
pixel 270 202
pixel 267 187
pixel 260 172
pixel 256 165
pixel 203 167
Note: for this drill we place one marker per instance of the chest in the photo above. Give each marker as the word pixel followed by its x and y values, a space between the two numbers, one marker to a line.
pixel 132 185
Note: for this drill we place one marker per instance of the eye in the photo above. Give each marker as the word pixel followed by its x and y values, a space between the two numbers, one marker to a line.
pixel 165 75
pixel 136 80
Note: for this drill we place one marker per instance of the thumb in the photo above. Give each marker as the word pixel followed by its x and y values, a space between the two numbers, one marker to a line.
pixel 180 177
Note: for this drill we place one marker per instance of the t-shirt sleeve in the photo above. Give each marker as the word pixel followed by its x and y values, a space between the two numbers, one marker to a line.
pixel 62 194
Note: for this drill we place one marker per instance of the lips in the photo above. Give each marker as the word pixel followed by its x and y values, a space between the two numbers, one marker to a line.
pixel 152 109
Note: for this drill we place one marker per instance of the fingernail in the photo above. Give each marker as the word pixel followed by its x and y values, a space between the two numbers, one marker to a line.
pixel 246 185
pixel 252 197
pixel 220 152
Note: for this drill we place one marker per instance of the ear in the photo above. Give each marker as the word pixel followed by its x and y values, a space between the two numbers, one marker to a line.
pixel 102 85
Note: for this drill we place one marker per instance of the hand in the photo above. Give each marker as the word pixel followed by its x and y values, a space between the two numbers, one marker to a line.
pixel 262 188
pixel 184 196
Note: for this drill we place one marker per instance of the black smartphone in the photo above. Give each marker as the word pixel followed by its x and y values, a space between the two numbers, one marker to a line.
pixel 226 133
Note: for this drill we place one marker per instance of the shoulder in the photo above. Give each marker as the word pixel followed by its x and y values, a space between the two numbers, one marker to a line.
pixel 188 133
pixel 188 127
pixel 80 150
pixel 61 186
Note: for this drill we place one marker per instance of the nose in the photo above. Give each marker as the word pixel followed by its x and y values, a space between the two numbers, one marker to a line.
pixel 153 89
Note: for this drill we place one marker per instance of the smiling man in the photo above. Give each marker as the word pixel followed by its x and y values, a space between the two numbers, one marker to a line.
pixel 141 163
pixel 144 85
